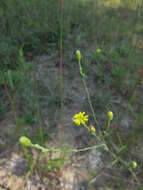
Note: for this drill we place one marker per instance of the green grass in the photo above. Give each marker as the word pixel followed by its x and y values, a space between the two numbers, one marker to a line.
pixel 32 27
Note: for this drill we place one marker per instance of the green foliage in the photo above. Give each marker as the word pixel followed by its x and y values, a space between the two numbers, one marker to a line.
pixel 119 73
pixel 27 24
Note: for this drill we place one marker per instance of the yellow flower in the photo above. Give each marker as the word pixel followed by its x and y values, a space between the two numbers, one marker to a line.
pixel 110 115
pixel 92 129
pixel 98 50
pixel 80 118
pixel 26 142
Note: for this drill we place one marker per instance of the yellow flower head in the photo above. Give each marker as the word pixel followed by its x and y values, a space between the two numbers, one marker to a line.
pixel 92 129
pixel 110 115
pixel 80 118
pixel 98 50
pixel 26 142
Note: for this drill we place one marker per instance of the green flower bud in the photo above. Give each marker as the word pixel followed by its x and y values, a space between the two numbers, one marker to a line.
pixel 78 55
pixel 133 164
pixel 26 142
pixel 98 50
pixel 110 115
pixel 92 129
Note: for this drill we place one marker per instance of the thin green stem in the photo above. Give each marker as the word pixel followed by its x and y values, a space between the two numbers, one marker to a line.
pixel 87 92
pixel 108 124
pixel 136 179
pixel 61 73
pixel 52 149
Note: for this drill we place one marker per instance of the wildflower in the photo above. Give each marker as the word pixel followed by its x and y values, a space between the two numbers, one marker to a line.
pixel 133 164
pixel 26 142
pixel 78 55
pixel 98 50
pixel 110 115
pixel 80 118
pixel 92 129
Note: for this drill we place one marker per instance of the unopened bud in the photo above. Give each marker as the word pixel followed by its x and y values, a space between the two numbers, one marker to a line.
pixel 110 115
pixel 26 142
pixel 78 55
pixel 98 50
pixel 92 129
pixel 133 164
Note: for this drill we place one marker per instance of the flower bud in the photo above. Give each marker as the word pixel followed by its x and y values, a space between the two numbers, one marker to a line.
pixel 26 142
pixel 78 55
pixel 133 164
pixel 92 129
pixel 110 115
pixel 98 50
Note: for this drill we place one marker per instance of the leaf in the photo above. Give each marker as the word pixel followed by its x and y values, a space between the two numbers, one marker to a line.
pixel 10 79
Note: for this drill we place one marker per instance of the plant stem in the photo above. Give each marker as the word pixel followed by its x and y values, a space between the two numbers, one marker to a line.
pixel 87 92
pixel 108 125
pixel 101 137
pixel 61 73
